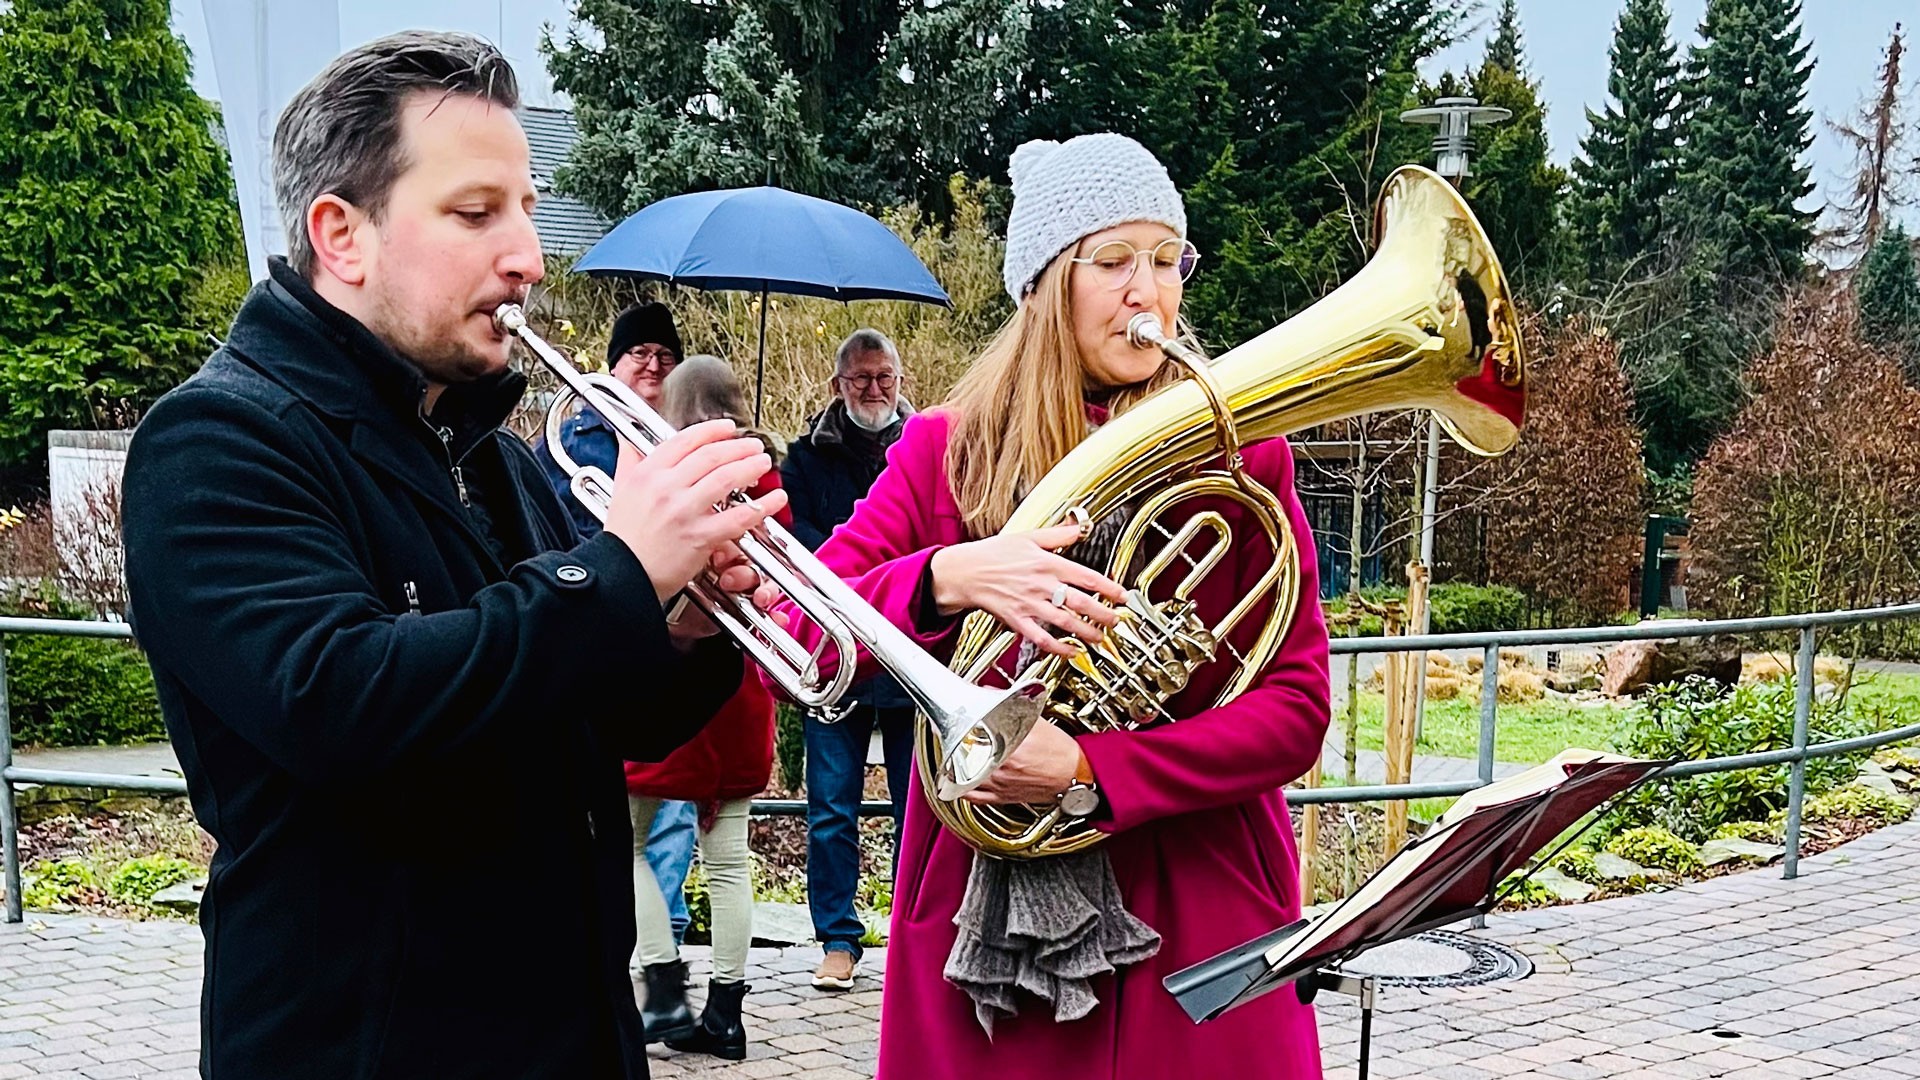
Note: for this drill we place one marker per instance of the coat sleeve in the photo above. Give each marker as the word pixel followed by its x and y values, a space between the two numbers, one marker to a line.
pixel 246 588
pixel 883 550
pixel 803 500
pixel 1260 741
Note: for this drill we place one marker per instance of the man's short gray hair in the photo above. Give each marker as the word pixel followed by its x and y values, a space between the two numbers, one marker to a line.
pixel 864 341
pixel 340 135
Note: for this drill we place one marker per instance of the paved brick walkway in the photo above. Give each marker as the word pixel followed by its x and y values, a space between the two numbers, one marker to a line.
pixel 1745 977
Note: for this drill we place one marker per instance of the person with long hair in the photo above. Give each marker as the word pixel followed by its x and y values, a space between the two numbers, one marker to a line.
pixel 1052 967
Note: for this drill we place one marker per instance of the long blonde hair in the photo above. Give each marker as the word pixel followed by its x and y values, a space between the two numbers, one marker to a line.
pixel 1021 406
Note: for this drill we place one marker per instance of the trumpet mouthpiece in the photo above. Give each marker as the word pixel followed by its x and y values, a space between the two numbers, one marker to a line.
pixel 509 318
pixel 1144 332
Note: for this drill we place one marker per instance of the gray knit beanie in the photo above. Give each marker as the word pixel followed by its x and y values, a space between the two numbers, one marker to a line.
pixel 1065 191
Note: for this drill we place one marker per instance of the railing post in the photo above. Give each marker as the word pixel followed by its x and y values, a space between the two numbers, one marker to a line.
pixel 9 814
pixel 1489 702
pixel 1797 775
pixel 1489 705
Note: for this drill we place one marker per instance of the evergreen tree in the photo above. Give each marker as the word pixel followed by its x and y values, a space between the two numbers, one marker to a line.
pixel 679 97
pixel 1733 232
pixel 942 109
pixel 1623 174
pixel 115 198
pixel 1515 190
pixel 1275 120
pixel 1877 138
pixel 1504 50
pixel 1888 292
pixel 1741 168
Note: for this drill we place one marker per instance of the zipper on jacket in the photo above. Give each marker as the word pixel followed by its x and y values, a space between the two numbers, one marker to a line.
pixel 413 598
pixel 453 467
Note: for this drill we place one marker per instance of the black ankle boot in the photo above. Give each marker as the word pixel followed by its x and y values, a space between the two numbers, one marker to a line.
pixel 721 1032
pixel 665 1014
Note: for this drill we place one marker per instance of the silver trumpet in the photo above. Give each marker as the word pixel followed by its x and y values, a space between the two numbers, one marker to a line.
pixel 979 726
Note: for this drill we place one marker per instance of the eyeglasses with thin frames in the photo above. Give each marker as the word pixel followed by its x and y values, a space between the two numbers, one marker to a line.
pixel 885 380
pixel 665 359
pixel 1114 262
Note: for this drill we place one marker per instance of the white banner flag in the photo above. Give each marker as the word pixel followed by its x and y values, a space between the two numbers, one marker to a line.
pixel 263 52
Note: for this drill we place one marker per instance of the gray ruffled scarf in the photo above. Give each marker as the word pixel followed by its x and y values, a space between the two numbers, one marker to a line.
pixel 1046 926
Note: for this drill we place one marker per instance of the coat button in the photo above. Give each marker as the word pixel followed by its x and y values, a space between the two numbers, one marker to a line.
pixel 573 576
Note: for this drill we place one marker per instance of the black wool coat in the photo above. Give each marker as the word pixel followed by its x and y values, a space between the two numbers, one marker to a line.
pixel 379 646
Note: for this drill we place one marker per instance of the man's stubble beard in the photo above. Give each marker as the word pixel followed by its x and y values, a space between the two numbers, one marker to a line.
pixel 441 355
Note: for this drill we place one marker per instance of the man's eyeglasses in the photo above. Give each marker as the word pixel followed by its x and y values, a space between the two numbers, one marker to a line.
pixel 1113 263
pixel 665 358
pixel 885 380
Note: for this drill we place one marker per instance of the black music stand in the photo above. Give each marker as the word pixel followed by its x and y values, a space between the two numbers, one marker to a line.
pixel 1454 871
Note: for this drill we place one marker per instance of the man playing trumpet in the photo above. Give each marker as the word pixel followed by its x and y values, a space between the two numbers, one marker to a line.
pixel 370 618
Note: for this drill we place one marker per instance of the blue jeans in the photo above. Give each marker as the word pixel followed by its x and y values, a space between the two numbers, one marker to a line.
pixel 670 854
pixel 836 773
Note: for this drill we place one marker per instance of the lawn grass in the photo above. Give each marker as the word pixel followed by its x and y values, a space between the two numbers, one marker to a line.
pixel 1894 700
pixel 1524 733
pixel 1531 732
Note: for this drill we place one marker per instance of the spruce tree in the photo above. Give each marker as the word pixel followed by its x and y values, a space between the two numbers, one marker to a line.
pixel 116 199
pixel 1504 50
pixel 1623 175
pixel 1734 235
pixel 1746 133
pixel 1888 292
pixel 679 97
pixel 942 106
pixel 1515 190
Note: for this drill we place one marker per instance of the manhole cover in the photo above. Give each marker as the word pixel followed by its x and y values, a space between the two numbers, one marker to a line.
pixel 1440 958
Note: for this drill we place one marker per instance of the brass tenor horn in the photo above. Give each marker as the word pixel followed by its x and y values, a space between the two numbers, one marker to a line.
pixel 976 727
pixel 1428 323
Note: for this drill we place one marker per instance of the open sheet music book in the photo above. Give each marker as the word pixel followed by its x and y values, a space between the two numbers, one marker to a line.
pixel 1453 871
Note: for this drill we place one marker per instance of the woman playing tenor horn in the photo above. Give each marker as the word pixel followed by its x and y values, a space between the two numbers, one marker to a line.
pixel 1052 968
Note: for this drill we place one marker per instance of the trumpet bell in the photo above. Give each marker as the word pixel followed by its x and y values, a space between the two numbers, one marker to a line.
pixel 972 749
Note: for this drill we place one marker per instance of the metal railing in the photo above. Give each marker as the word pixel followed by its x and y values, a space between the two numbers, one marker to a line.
pixel 1489 643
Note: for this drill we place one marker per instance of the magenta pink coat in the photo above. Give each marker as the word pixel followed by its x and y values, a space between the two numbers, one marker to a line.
pixel 1201 842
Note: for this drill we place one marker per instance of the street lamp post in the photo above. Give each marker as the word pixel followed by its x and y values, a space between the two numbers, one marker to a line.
pixel 1454 119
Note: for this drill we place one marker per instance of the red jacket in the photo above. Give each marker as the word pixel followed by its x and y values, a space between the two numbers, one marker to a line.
pixel 732 757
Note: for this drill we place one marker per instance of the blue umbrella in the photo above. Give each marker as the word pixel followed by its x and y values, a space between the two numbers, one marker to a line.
pixel 764 239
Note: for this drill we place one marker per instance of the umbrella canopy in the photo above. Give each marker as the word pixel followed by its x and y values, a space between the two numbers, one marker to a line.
pixel 764 239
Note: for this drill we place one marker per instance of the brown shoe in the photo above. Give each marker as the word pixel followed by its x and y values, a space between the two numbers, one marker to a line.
pixel 836 970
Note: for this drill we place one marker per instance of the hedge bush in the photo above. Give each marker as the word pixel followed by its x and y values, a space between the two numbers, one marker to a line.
pixel 1457 608
pixel 1653 846
pixel 1695 719
pixel 1856 801
pixel 70 691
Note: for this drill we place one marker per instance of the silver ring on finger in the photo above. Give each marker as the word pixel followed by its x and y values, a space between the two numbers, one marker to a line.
pixel 1059 597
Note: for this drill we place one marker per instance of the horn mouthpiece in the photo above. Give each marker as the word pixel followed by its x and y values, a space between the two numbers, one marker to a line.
pixel 1144 332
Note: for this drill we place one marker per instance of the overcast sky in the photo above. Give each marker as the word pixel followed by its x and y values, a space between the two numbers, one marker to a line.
pixel 1566 48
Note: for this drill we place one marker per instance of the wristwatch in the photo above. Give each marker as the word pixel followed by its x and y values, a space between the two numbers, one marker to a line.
pixel 1080 799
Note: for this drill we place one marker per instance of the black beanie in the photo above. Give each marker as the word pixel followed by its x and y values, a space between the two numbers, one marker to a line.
pixel 639 325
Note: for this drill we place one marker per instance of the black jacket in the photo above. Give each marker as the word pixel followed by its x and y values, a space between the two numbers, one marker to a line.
pixel 391 715
pixel 828 469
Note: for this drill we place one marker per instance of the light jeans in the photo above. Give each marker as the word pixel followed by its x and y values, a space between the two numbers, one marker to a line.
pixel 670 854
pixel 723 854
